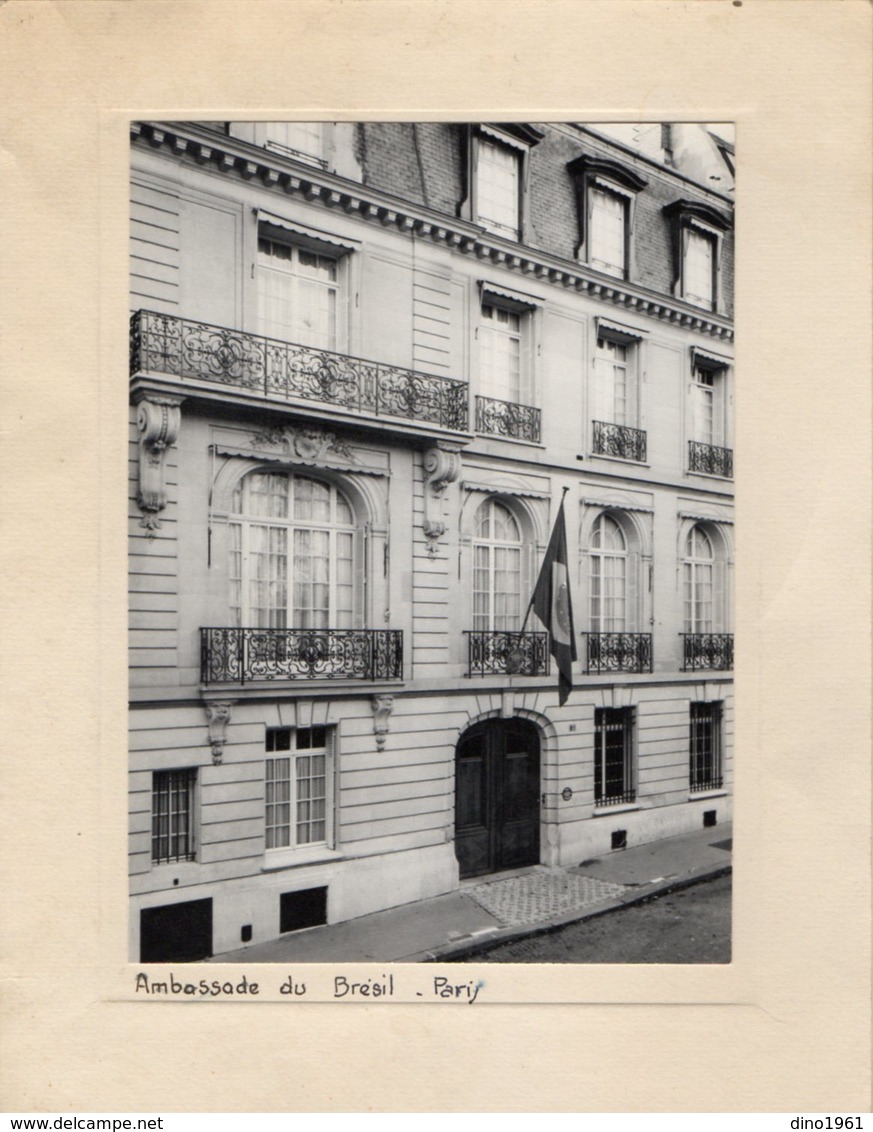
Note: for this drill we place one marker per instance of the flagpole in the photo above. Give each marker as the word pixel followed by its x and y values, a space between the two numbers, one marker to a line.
pixel 531 602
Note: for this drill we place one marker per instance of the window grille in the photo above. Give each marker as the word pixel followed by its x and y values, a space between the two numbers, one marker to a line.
pixel 173 815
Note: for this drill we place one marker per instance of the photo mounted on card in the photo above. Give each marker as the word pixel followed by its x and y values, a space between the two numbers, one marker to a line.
pixel 431 552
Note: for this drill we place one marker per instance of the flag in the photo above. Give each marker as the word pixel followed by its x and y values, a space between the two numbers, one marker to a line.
pixel 551 603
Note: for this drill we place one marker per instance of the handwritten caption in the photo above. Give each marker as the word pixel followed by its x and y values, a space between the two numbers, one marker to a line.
pixel 318 988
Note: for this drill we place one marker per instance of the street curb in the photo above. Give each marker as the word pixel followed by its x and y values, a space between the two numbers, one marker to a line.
pixel 495 937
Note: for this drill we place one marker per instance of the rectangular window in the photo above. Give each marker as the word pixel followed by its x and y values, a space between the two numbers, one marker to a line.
pixel 614 383
pixel 501 354
pixel 607 241
pixel 298 294
pixel 703 408
pixel 498 188
pixel 613 756
pixel 698 276
pixel 173 815
pixel 705 772
pixel 303 141
pixel 297 787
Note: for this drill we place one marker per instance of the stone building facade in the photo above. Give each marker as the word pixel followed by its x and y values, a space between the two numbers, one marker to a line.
pixel 366 361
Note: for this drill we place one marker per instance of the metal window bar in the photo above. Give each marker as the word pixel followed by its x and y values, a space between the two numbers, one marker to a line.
pixel 710 459
pixel 173 815
pixel 705 772
pixel 714 651
pixel 284 371
pixel 497 652
pixel 619 652
pixel 613 757
pixel 507 418
pixel 242 655
pixel 619 440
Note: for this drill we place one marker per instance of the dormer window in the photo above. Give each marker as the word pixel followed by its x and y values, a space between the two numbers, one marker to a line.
pixel 698 233
pixel 606 198
pixel 498 160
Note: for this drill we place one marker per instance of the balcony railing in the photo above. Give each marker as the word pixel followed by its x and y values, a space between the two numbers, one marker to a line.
pixel 619 652
pixel 494 652
pixel 619 440
pixel 710 460
pixel 708 650
pixel 506 418
pixel 241 656
pixel 279 370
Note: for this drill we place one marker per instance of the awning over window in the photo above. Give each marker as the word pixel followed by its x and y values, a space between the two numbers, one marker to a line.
pixel 617 331
pixel 309 237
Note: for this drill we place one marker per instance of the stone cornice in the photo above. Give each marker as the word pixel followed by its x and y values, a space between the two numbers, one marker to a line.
pixel 230 155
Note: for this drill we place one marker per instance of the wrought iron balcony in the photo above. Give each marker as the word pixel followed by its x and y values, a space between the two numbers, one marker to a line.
pixel 241 656
pixel 506 418
pixel 495 652
pixel 710 460
pixel 283 371
pixel 619 652
pixel 708 650
pixel 619 440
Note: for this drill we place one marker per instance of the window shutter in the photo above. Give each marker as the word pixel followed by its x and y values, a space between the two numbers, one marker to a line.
pixel 719 594
pixel 331 777
pixel 634 617
pixel 362 548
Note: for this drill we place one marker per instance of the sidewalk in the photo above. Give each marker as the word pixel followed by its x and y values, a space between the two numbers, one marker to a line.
pixel 512 905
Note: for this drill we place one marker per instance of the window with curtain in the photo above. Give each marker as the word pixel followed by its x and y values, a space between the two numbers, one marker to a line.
pixel 608 577
pixel 699 576
pixel 698 269
pixel 501 354
pixel 301 140
pixel 497 558
pixel 297 783
pixel 292 559
pixel 607 227
pixel 498 185
pixel 298 294
pixel 614 382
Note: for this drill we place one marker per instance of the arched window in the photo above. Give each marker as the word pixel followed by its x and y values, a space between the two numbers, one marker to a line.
pixel 608 589
pixel 496 568
pixel 292 560
pixel 699 571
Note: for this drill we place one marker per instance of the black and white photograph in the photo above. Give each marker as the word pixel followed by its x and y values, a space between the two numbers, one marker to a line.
pixel 431 541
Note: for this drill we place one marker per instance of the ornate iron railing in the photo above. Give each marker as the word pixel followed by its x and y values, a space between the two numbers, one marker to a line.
pixel 708 650
pixel 710 460
pixel 619 440
pixel 506 418
pixel 495 652
pixel 239 656
pixel 162 343
pixel 619 652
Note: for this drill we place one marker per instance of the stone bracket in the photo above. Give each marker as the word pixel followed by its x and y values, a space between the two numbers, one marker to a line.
pixel 157 422
pixel 382 708
pixel 442 466
pixel 217 718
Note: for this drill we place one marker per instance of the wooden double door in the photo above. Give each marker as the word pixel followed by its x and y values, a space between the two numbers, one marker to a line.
pixel 497 797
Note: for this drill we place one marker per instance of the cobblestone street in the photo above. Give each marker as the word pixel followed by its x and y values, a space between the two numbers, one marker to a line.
pixel 691 925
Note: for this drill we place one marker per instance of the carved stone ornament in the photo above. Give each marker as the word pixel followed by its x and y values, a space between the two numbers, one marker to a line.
pixel 442 466
pixel 311 445
pixel 217 719
pixel 382 708
pixel 157 422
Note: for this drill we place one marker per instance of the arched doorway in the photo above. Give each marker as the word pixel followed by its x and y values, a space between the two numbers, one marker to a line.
pixel 497 797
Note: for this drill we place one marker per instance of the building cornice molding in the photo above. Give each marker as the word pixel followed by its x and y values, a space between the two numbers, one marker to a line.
pixel 232 156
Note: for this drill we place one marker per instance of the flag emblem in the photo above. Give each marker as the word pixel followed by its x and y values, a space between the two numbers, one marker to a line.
pixel 552 604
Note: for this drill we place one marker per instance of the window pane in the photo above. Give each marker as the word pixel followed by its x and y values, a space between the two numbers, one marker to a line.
pixel 698 277
pixel 497 188
pixel 607 237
